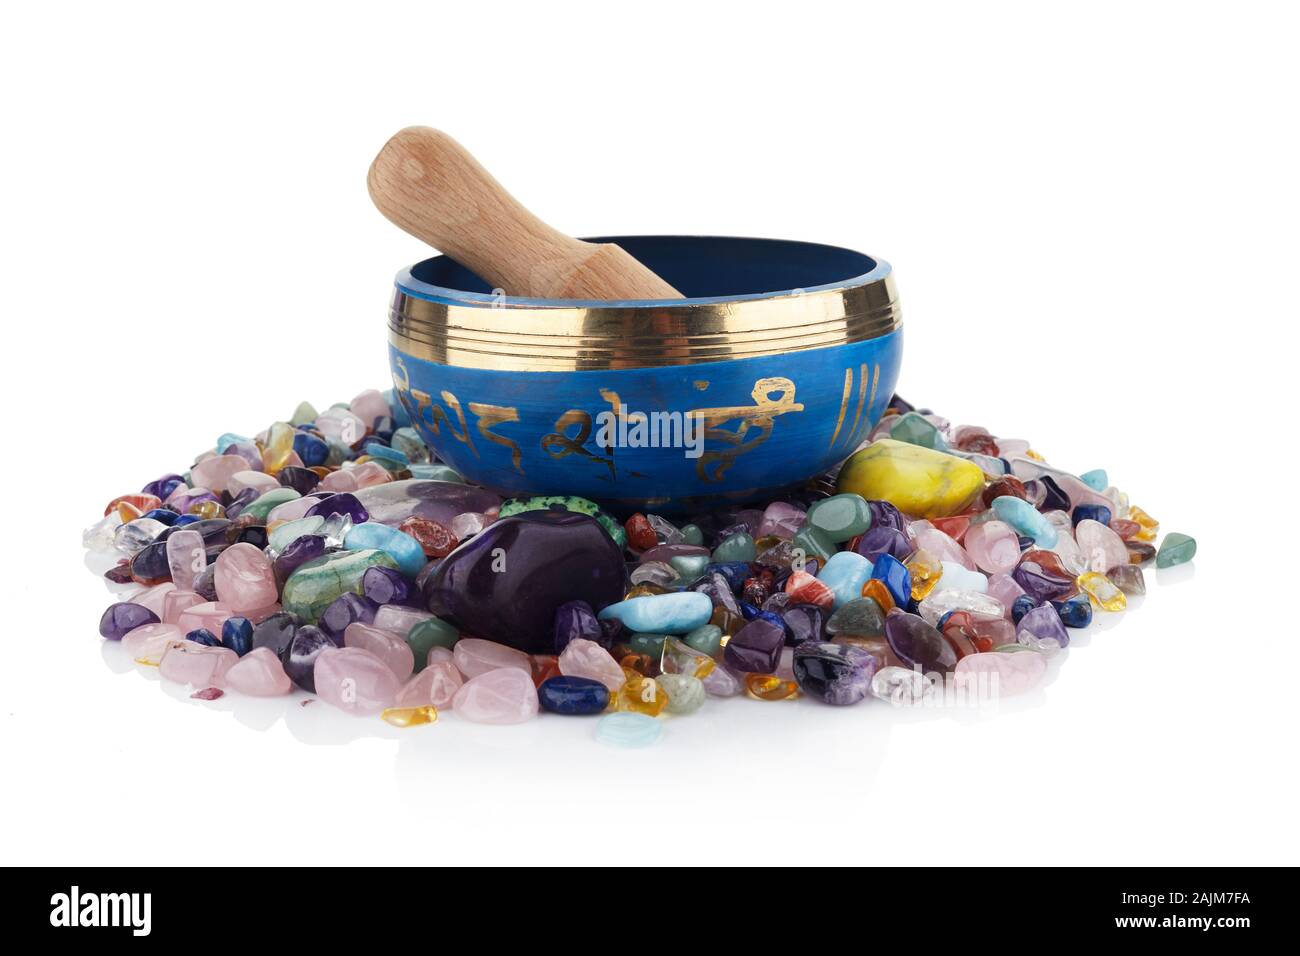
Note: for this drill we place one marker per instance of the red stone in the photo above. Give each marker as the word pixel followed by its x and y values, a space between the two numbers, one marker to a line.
pixel 640 536
pixel 434 539
pixel 1006 485
pixel 954 528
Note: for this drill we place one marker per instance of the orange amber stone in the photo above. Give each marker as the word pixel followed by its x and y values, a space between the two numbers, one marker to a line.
pixel 410 716
pixel 770 687
pixel 1149 525
pixel 127 511
pixel 645 589
pixel 953 527
pixel 435 540
pixel 876 590
pixel 642 695
pixel 926 570
pixel 141 503
pixel 1006 486
pixel 206 509
pixel 641 665
pixel 545 666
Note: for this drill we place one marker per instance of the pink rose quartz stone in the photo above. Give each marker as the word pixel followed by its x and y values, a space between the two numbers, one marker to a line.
pixel 475 656
pixel 994 546
pixel 341 425
pixel 371 473
pixel 1004 588
pixel 244 578
pixel 338 481
pixel 387 646
pixel 187 557
pixel 781 519
pixel 583 658
pixel 468 524
pixel 186 662
pixel 437 684
pixel 440 653
pixel 257 480
pixel 370 405
pixel 211 615
pixel 258 673
pixel 1101 548
pixel 502 696
pixel 154 598
pixel 1016 672
pixel 399 619
pixel 176 603
pixel 150 640
pixel 292 510
pixel 943 547
pixel 216 472
pixel 355 680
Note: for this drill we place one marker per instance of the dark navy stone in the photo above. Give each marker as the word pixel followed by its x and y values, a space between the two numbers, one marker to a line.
pixel 183 520
pixel 1022 606
pixel 894 575
pixel 748 611
pixel 254 534
pixel 275 633
pixel 299 658
pixel 310 449
pixel 1025 542
pixel 1055 499
pixel 201 635
pixel 163 487
pixel 734 572
pixel 300 480
pixel 1095 512
pixel 150 563
pixel 237 634
pixel 1076 612
pixel 122 617
pixel 165 515
pixel 576 620
pixel 573 696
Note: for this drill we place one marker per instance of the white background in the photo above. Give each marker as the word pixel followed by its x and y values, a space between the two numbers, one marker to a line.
pixel 1092 217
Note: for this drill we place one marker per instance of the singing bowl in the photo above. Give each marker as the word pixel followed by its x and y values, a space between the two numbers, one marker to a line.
pixel 775 367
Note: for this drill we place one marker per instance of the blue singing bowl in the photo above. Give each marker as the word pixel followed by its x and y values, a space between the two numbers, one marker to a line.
pixel 775 367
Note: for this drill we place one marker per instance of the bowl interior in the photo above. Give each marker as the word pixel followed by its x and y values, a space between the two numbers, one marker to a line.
pixel 704 268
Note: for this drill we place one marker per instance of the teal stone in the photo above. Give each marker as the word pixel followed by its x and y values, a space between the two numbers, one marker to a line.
pixel 409 443
pixel 707 639
pixel 582 506
pixel 845 574
pixel 398 545
pixel 291 531
pixel 304 414
pixel 860 617
pixel 261 507
pixel 685 693
pixel 840 517
pixel 689 566
pixel 438 472
pixel 628 729
pixel 1026 519
pixel 228 439
pixel 675 613
pixel 318 583
pixel 1175 549
pixel 390 458
pixel 915 429
pixel 737 547
pixel 1095 479
pixel 428 634
pixel 692 535
pixel 652 644
pixel 813 543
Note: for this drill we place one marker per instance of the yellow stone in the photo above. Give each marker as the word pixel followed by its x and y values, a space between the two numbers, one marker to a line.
pixel 410 716
pixel 770 687
pixel 918 481
pixel 645 589
pixel 1149 525
pixel 876 590
pixel 642 695
pixel 1102 591
pixel 926 570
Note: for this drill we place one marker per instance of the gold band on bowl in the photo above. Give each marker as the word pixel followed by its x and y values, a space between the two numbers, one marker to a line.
pixel 565 339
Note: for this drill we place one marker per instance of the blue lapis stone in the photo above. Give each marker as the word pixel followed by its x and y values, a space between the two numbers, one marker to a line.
pixel 735 572
pixel 573 696
pixel 398 545
pixel 201 635
pixel 748 611
pixel 1076 612
pixel 1095 479
pixel 895 576
pixel 1021 606
pixel 846 573
pixel 676 613
pixel 237 634
pixel 184 520
pixel 312 450
pixel 1095 512
pixel 164 515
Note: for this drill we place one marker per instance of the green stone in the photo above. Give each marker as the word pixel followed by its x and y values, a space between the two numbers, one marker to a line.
pixel 840 517
pixel 408 441
pixel 304 414
pixel 289 532
pixel 689 566
pixel 861 617
pixel 813 542
pixel 315 585
pixel 1175 549
pixel 707 639
pixel 427 635
pixel 436 472
pixel 582 506
pixel 737 547
pixel 915 429
pixel 691 534
pixel 261 507
pixel 652 644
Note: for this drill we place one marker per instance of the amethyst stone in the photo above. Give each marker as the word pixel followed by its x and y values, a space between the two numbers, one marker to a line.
pixel 756 647
pixel 347 608
pixel 917 644
pixel 881 539
pixel 393 502
pixel 574 620
pixel 299 657
pixel 386 586
pixel 1039 583
pixel 1042 624
pixel 837 674
pixel 341 504
pixel 301 480
pixel 804 622
pixel 296 553
pixel 123 617
pixel 506 583
pixel 275 633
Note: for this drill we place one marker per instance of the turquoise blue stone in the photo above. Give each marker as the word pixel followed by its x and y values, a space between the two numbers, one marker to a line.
pixel 628 729
pixel 845 574
pixel 437 472
pixel 662 613
pixel 228 439
pixel 386 455
pixel 285 534
pixel 398 545
pixel 1026 519
pixel 895 576
pixel 573 696
pixel 1095 479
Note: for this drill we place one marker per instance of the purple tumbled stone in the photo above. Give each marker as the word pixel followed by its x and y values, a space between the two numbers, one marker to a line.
pixel 205 583
pixel 575 620
pixel 917 644
pixel 296 553
pixel 347 608
pixel 246 450
pixel 241 501
pixel 506 583
pixel 1040 584
pixel 756 647
pixel 718 590
pixel 163 487
pixel 299 656
pixel 392 502
pixel 344 503
pixel 118 619
pixel 804 622
pixel 837 674
pixel 387 586
pixel 885 515
pixel 1043 623
pixel 612 632
pixel 882 539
